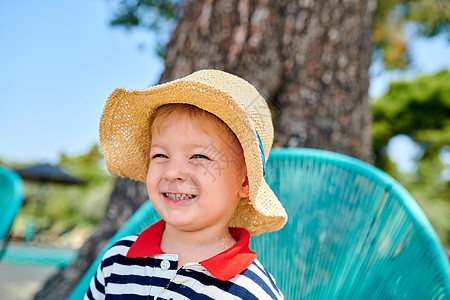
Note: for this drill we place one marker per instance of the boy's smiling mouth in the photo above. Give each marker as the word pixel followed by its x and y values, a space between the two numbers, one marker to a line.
pixel 179 196
pixel 179 199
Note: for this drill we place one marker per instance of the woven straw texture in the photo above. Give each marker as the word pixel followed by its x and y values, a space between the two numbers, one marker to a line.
pixel 125 134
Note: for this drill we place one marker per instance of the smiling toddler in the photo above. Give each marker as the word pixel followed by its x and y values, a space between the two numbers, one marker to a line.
pixel 201 144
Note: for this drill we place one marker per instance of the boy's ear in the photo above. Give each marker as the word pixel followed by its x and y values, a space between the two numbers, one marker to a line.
pixel 244 191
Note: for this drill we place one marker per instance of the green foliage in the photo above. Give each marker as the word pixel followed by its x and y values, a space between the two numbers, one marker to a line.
pixel 431 17
pixel 153 15
pixel 146 13
pixel 52 211
pixel 421 110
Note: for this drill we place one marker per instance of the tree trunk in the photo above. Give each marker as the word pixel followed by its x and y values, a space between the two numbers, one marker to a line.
pixel 309 59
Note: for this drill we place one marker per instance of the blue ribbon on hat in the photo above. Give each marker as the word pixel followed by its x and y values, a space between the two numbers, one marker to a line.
pixel 261 150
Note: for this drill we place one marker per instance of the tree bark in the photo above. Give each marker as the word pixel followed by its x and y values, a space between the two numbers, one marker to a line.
pixel 310 61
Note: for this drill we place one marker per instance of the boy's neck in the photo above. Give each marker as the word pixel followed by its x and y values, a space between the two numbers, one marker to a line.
pixel 195 246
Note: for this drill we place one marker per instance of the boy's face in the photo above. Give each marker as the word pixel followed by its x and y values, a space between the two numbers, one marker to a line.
pixel 195 180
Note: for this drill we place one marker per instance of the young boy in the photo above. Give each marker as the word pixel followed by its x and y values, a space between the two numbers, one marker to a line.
pixel 201 144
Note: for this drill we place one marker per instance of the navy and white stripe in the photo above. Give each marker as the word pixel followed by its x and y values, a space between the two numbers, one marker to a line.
pixel 121 277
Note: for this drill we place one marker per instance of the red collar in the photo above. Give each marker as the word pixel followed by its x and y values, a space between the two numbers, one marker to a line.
pixel 223 266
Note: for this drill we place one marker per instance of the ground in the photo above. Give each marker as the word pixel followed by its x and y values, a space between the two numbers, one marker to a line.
pixel 21 282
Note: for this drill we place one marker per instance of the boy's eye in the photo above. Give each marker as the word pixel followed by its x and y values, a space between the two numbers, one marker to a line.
pixel 200 156
pixel 159 155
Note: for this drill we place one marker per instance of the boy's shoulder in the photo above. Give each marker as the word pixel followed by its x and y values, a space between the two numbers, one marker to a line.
pixel 257 273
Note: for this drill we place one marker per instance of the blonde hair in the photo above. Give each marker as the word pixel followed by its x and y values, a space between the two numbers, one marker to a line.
pixel 205 121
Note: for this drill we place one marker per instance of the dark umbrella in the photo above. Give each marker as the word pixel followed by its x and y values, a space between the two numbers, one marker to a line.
pixel 48 173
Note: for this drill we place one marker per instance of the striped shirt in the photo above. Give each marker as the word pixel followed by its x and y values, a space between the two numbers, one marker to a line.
pixel 136 268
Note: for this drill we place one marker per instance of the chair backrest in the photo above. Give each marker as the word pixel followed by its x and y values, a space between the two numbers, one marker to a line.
pixel 11 198
pixel 352 232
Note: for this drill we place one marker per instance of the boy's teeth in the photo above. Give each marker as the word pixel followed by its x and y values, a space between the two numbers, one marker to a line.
pixel 179 196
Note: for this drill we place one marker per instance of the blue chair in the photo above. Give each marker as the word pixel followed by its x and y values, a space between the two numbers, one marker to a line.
pixel 353 232
pixel 11 199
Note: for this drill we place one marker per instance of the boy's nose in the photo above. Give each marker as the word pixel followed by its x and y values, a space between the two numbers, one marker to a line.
pixel 175 171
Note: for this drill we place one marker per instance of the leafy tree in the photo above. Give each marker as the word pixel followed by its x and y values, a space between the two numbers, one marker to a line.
pixel 421 110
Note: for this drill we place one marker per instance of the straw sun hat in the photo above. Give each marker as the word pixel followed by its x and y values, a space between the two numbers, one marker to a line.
pixel 125 135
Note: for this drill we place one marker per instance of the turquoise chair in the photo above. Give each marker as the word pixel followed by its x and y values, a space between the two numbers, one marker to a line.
pixel 353 233
pixel 11 199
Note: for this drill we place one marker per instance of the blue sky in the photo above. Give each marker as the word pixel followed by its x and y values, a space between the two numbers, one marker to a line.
pixel 59 60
